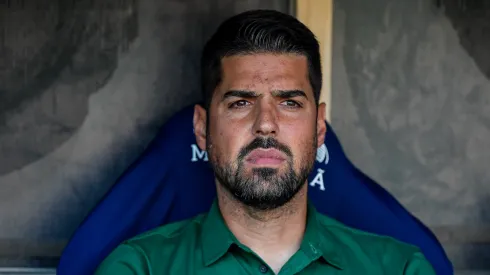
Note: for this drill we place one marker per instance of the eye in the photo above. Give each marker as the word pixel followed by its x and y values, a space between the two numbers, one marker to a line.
pixel 291 104
pixel 239 104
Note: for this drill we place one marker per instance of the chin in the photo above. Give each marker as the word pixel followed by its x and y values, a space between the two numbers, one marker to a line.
pixel 267 174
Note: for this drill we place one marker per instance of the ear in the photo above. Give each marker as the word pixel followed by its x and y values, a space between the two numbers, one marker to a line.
pixel 321 126
pixel 199 122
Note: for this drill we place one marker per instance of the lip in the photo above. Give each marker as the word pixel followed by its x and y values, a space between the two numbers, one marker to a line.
pixel 265 157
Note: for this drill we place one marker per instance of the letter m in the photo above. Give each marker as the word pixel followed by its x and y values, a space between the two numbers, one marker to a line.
pixel 197 154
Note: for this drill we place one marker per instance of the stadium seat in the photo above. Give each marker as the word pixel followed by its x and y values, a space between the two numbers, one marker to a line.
pixel 172 180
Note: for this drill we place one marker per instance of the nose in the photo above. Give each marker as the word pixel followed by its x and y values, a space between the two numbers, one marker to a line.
pixel 266 120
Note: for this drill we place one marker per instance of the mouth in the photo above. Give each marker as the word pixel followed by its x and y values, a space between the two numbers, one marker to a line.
pixel 265 157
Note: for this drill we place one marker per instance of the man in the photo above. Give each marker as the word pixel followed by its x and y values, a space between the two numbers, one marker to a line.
pixel 261 124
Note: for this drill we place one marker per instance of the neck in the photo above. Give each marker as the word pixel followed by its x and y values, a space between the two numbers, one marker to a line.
pixel 274 235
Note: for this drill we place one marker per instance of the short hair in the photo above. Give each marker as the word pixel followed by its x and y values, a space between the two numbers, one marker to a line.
pixel 255 32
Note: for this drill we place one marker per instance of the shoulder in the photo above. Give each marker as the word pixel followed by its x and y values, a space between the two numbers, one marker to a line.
pixel 167 234
pixel 154 249
pixel 379 251
pixel 351 235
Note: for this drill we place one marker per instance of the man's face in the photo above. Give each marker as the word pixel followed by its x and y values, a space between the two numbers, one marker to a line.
pixel 263 128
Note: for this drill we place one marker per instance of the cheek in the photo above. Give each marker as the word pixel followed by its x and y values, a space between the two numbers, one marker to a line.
pixel 227 142
pixel 302 142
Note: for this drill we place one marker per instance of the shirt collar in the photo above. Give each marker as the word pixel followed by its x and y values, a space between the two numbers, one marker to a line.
pixel 216 238
pixel 317 242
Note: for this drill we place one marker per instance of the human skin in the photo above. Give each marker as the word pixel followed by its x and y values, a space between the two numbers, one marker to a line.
pixel 292 117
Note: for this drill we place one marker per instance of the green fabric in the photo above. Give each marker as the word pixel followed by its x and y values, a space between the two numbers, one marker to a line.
pixel 204 246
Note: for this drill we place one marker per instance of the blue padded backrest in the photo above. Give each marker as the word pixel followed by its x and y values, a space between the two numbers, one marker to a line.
pixel 172 180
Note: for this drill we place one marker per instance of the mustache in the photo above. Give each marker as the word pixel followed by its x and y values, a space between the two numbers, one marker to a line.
pixel 264 143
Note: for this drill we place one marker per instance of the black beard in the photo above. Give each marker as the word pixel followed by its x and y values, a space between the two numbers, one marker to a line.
pixel 265 189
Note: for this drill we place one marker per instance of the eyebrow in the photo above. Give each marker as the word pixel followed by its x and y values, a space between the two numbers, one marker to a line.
pixel 250 94
pixel 240 93
pixel 289 94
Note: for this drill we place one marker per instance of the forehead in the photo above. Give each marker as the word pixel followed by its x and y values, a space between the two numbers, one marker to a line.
pixel 278 71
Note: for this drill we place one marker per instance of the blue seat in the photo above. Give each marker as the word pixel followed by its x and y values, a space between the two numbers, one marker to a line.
pixel 172 181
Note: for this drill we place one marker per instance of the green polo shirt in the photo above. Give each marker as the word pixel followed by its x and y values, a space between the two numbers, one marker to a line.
pixel 205 246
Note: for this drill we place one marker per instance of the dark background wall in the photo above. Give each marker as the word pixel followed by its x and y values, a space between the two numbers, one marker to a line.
pixel 411 104
pixel 84 86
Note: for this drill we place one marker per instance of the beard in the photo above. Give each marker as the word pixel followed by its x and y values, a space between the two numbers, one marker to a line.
pixel 265 188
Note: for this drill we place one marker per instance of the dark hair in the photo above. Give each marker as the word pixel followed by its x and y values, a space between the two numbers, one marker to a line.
pixel 259 31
